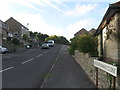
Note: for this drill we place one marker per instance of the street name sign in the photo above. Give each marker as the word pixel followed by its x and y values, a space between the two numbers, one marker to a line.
pixel 106 67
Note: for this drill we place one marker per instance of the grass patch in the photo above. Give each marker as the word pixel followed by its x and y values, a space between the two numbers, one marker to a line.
pixel 48 75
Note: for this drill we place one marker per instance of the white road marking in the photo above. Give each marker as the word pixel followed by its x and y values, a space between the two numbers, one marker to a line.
pixel 7 69
pixel 38 55
pixel 27 61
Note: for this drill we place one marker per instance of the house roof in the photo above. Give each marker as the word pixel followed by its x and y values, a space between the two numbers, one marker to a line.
pixel 92 31
pixel 111 11
pixel 80 32
pixel 11 18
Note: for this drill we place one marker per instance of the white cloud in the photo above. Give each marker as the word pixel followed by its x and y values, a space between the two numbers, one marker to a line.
pixel 88 0
pixel 39 2
pixel 85 23
pixel 24 3
pixel 80 10
pixel 37 23
pixel 55 6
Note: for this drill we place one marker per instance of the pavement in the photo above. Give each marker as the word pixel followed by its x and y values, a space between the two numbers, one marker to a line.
pixel 66 73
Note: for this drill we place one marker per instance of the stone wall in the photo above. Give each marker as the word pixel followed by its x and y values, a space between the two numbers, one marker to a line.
pixel 110 43
pixel 11 47
pixel 87 63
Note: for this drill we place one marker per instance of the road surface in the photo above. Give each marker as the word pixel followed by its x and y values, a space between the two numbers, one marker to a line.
pixel 28 69
pixel 43 68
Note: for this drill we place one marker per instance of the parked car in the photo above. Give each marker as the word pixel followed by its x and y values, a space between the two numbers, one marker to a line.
pixel 51 43
pixel 3 49
pixel 45 46
pixel 27 46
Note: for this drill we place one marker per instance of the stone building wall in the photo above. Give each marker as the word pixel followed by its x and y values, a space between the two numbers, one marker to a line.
pixel 14 27
pixel 111 45
pixel 87 63
pixel 110 42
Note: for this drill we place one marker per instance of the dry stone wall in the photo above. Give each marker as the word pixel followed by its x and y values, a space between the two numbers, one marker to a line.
pixel 87 63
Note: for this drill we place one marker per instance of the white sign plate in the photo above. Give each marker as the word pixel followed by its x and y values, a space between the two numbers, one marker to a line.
pixel 106 67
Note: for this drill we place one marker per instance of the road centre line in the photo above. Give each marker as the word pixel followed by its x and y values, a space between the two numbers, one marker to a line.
pixel 38 55
pixel 7 69
pixel 27 61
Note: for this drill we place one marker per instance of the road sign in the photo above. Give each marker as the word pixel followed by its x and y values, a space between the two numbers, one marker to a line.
pixel 106 67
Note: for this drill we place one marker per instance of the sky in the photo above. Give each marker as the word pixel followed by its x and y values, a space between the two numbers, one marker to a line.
pixel 55 17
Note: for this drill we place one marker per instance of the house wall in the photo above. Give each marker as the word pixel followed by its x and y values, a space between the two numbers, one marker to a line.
pixel 4 30
pixel 110 44
pixel 4 34
pixel 99 45
pixel 119 36
pixel 24 31
pixel 14 27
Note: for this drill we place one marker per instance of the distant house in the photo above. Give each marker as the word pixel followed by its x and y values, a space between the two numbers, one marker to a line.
pixel 4 30
pixel 92 31
pixel 108 33
pixel 17 28
pixel 81 32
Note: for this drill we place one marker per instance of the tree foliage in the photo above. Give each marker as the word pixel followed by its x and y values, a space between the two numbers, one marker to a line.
pixel 58 39
pixel 38 36
pixel 85 44
pixel 15 41
pixel 25 37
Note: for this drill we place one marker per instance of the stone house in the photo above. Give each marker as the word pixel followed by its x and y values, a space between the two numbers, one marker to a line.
pixel 16 28
pixel 108 33
pixel 92 32
pixel 80 32
pixel 4 30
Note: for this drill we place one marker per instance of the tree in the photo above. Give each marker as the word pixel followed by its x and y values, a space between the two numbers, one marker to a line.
pixel 25 37
pixel 88 44
pixel 85 44
pixel 38 36
pixel 58 39
pixel 32 35
pixel 15 41
pixel 73 45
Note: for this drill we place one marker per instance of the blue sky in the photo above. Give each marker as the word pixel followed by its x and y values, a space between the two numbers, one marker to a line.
pixel 56 17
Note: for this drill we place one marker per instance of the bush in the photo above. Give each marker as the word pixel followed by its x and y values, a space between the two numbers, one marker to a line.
pixel 16 41
pixel 88 44
pixel 71 51
pixel 85 44
pixel 9 38
pixel 73 46
pixel 25 37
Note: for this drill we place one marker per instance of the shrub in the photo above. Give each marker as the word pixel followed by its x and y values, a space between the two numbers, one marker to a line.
pixel 71 51
pixel 25 37
pixel 73 46
pixel 9 38
pixel 85 44
pixel 16 41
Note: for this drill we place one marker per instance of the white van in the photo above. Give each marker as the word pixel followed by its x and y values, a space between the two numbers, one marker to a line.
pixel 51 43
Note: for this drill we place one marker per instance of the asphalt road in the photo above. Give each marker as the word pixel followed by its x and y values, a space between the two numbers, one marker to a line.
pixel 67 73
pixel 28 69
pixel 43 68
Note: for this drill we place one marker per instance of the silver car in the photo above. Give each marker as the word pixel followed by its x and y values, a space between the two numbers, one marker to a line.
pixel 45 46
pixel 3 49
